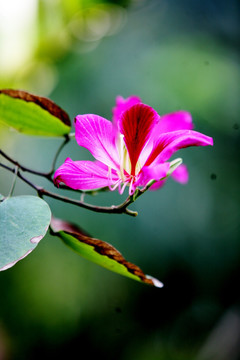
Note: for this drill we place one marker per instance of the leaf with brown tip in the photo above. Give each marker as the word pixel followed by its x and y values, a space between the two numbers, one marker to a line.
pixel 32 114
pixel 99 252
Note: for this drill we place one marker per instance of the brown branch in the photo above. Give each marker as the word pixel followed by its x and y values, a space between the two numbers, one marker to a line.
pixel 23 168
pixel 47 175
pixel 119 209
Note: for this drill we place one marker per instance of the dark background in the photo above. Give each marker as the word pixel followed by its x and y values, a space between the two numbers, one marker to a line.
pixel 174 55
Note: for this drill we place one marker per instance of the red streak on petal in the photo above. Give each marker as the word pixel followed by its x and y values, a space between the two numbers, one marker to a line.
pixel 168 143
pixel 136 125
pixel 159 147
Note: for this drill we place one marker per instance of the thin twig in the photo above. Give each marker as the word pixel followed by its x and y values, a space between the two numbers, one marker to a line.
pixel 119 209
pixel 20 176
pixel 66 140
pixel 47 175
pixel 14 182
pixel 23 168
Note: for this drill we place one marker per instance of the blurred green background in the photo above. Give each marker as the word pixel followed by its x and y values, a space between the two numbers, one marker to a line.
pixel 174 55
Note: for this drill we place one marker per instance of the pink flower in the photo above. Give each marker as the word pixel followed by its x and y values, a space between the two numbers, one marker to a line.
pixel 132 150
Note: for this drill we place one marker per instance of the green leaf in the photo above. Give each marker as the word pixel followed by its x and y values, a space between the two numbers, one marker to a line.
pixel 24 221
pixel 32 115
pixel 99 252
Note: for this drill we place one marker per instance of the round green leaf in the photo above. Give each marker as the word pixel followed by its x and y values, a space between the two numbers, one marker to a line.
pixel 24 221
pixel 32 114
pixel 99 252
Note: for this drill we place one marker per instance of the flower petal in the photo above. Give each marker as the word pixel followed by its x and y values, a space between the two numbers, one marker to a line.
pixel 168 143
pixel 180 174
pixel 84 175
pixel 97 135
pixel 123 105
pixel 157 185
pixel 136 124
pixel 178 120
pixel 156 172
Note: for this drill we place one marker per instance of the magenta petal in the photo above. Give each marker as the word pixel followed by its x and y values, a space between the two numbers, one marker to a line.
pixel 178 120
pixel 97 135
pixel 157 185
pixel 136 125
pixel 84 175
pixel 156 172
pixel 168 143
pixel 180 174
pixel 123 105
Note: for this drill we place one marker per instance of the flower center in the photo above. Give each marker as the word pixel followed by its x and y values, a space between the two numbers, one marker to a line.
pixel 125 172
pixel 126 178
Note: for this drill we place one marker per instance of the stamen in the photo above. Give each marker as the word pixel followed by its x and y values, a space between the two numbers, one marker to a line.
pixel 109 177
pixel 121 155
pixel 121 190
pixel 115 186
